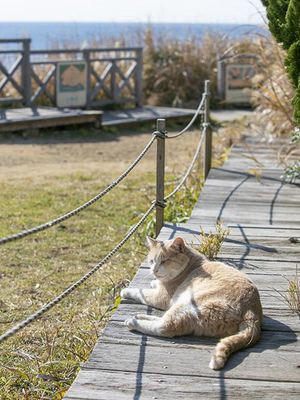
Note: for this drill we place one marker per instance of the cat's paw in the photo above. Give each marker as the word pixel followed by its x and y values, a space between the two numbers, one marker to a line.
pixel 131 323
pixel 216 363
pixel 125 293
pixel 154 284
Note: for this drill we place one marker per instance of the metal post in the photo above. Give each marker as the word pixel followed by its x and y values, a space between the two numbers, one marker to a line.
pixel 86 56
pixel 160 175
pixel 208 131
pixel 113 82
pixel 139 78
pixel 26 72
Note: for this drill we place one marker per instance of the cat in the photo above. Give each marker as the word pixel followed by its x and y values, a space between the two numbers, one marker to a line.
pixel 200 297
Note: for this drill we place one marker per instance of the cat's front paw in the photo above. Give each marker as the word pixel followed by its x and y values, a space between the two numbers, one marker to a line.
pixel 132 294
pixel 154 284
pixel 131 323
pixel 124 293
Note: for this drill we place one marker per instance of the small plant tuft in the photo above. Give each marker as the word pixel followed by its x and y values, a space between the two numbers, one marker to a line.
pixel 292 296
pixel 211 243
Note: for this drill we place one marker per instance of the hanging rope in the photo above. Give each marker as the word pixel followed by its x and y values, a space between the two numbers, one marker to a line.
pixel 189 170
pixel 197 112
pixel 77 210
pixel 33 317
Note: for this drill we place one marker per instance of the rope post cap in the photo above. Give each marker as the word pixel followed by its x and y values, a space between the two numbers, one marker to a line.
pixel 207 87
pixel 161 125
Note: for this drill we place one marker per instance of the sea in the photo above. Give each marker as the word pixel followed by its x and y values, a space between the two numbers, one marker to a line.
pixel 46 35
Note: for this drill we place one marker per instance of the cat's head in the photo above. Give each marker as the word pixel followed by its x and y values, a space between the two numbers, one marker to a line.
pixel 167 259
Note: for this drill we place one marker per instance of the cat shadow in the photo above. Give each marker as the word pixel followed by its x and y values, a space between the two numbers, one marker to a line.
pixel 275 335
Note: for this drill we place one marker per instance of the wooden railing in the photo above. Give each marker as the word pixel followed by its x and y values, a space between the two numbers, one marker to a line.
pixel 15 71
pixel 114 75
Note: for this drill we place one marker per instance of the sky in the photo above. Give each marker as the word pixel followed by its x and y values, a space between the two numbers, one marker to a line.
pixel 190 11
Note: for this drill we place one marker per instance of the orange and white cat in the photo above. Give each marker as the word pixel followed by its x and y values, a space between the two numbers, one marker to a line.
pixel 201 298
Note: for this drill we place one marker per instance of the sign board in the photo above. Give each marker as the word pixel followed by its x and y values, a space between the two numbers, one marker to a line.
pixel 71 84
pixel 238 82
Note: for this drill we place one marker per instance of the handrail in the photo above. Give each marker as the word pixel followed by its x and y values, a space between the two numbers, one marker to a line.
pixel 88 49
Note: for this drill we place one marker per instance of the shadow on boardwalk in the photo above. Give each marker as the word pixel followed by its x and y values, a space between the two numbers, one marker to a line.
pixel 282 337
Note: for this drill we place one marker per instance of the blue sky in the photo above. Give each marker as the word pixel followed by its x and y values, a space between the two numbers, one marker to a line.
pixel 191 11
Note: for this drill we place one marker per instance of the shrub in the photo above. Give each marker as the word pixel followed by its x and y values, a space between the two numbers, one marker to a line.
pixel 273 92
pixel 284 16
pixel 211 243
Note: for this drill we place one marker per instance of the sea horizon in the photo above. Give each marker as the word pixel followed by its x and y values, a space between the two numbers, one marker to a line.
pixel 45 35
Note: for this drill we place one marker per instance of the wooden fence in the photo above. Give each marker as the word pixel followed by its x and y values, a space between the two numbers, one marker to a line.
pixel 29 76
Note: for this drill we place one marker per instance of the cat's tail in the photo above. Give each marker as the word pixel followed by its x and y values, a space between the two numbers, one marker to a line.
pixel 249 333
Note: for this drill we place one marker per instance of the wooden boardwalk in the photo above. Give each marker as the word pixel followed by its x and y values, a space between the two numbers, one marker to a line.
pixel 18 119
pixel 263 214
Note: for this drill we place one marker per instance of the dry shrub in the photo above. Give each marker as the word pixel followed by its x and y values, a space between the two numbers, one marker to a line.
pixel 273 92
pixel 174 71
pixel 211 243
pixel 291 296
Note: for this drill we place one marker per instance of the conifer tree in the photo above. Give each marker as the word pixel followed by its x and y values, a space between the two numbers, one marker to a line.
pixel 284 24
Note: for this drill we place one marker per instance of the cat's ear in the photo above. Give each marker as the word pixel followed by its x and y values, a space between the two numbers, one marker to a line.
pixel 179 244
pixel 150 242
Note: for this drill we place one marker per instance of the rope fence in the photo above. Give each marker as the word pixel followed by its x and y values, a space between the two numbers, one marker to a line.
pixel 77 210
pixel 158 204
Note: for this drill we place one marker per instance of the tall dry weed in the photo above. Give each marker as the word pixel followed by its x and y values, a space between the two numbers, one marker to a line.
pixel 273 93
pixel 174 71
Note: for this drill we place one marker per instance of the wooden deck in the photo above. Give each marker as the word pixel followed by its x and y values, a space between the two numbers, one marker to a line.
pixel 44 117
pixel 144 114
pixel 263 214
pixel 18 119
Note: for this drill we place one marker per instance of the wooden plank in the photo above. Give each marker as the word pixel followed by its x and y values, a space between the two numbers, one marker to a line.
pixel 255 363
pixel 98 384
pixel 144 114
pixel 258 231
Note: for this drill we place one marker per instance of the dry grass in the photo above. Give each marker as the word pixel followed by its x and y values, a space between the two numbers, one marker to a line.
pixel 211 243
pixel 292 295
pixel 273 92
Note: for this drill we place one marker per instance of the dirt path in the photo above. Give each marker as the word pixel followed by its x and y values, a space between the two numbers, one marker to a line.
pixel 107 153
